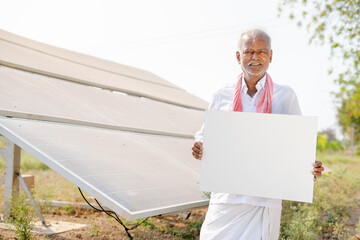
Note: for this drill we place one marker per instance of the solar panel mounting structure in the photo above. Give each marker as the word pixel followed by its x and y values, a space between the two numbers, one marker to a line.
pixel 121 134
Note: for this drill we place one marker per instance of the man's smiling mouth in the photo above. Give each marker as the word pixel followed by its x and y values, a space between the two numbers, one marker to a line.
pixel 255 64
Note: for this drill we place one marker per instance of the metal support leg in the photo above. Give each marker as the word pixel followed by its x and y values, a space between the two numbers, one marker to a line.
pixel 352 140
pixel 13 178
pixel 12 159
pixel 25 188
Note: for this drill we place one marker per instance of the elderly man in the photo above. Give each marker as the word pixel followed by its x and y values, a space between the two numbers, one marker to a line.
pixel 232 216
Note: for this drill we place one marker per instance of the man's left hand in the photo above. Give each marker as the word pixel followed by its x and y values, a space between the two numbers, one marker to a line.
pixel 318 168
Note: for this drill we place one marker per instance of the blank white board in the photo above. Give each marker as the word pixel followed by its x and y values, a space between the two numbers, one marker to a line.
pixel 262 155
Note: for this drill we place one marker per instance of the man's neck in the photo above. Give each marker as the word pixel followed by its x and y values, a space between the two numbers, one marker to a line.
pixel 251 82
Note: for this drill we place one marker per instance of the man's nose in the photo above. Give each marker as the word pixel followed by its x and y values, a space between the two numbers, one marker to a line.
pixel 255 55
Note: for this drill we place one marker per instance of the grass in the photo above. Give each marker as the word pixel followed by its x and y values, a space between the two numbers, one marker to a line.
pixel 188 229
pixel 336 203
pixel 27 163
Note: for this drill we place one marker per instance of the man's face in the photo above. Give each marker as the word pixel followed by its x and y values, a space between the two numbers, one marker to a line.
pixel 254 56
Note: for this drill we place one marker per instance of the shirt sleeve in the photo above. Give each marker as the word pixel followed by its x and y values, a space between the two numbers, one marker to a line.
pixel 199 136
pixel 294 107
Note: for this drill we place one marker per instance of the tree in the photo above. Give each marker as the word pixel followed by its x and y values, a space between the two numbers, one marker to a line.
pixel 336 23
pixel 321 142
pixel 326 141
pixel 329 133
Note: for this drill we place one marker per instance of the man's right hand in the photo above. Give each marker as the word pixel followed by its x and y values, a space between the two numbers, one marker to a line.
pixel 197 150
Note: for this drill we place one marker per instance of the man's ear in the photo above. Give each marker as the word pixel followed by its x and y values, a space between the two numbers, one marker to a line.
pixel 238 57
pixel 271 52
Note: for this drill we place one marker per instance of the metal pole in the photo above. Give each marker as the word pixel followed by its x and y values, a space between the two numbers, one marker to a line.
pixel 13 178
pixel 25 188
pixel 12 158
pixel 352 140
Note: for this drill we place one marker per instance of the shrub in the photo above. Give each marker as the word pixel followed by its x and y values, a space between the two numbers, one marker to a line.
pixel 21 217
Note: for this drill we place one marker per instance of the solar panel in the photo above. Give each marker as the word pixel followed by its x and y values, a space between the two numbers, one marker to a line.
pixel 24 94
pixel 121 134
pixel 21 57
pixel 86 60
pixel 136 175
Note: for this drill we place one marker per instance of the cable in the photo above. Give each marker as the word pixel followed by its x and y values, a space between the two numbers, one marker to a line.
pixel 109 213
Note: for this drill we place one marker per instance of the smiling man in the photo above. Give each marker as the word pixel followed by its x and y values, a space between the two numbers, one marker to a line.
pixel 232 216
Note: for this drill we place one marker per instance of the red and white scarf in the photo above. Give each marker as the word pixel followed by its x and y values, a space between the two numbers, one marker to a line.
pixel 265 100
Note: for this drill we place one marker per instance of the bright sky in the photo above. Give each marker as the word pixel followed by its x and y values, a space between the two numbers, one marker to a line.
pixel 189 43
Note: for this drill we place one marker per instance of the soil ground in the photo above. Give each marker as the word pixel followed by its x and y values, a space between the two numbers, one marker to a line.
pixel 102 227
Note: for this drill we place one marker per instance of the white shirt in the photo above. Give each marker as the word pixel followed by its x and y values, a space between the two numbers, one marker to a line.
pixel 284 101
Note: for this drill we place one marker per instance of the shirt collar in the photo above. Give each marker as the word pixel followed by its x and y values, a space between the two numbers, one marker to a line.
pixel 259 85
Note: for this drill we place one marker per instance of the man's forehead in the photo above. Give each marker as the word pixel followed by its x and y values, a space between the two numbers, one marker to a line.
pixel 253 40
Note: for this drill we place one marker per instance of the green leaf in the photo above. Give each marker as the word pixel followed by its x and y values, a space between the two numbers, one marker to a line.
pixel 335 45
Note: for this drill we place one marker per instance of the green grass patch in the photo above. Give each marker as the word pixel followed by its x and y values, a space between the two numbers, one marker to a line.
pixel 29 163
pixel 337 158
pixel 336 197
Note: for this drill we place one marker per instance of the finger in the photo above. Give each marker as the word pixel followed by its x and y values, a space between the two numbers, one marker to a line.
pixel 197 150
pixel 317 164
pixel 315 178
pixel 319 169
pixel 316 173
pixel 196 153
pixel 198 145
pixel 197 156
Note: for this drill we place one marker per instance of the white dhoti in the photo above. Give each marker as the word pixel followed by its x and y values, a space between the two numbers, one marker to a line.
pixel 240 222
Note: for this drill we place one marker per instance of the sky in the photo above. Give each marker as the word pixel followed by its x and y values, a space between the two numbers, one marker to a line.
pixel 189 43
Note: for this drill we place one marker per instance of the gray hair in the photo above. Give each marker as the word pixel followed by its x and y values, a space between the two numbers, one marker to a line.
pixel 253 33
